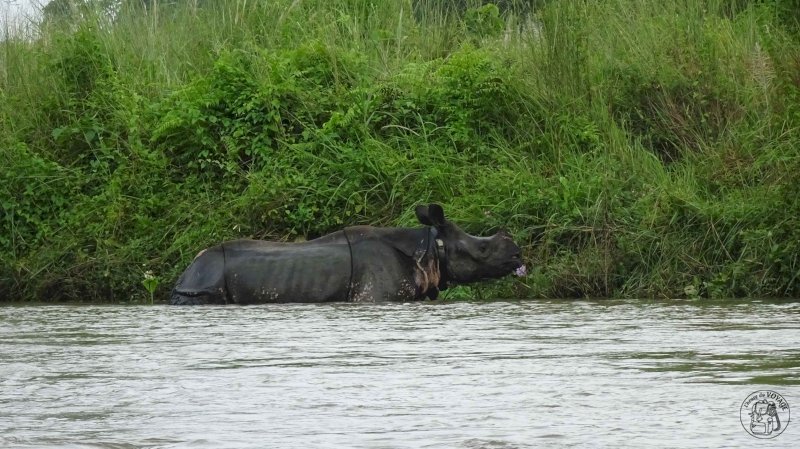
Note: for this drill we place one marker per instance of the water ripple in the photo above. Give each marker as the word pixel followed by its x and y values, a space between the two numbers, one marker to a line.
pixel 462 375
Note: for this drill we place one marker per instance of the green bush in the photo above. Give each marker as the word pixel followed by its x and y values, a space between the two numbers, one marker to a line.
pixel 633 147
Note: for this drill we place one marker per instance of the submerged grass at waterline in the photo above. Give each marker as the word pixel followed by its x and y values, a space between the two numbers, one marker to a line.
pixel 635 148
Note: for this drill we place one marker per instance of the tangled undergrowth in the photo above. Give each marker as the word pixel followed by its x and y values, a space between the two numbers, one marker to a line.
pixel 635 148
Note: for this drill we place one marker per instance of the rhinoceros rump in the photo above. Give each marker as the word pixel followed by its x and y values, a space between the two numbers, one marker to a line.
pixel 359 263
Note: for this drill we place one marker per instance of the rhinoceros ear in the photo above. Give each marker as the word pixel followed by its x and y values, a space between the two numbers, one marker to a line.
pixel 436 215
pixel 431 215
pixel 422 215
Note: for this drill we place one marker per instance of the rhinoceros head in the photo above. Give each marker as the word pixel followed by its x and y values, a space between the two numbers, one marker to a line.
pixel 470 258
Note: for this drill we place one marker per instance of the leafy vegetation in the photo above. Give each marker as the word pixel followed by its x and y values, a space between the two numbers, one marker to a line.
pixel 636 148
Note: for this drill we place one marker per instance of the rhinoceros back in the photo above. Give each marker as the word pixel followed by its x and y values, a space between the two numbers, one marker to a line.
pixel 252 272
pixel 301 272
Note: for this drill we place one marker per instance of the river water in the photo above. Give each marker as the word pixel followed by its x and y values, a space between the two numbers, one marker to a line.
pixel 426 375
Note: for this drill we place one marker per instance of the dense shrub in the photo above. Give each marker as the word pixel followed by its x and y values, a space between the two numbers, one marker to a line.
pixel 634 148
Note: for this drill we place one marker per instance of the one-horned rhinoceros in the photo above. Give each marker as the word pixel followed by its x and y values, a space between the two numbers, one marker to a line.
pixel 359 263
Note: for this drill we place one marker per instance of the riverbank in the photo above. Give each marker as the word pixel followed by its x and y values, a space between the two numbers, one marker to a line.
pixel 634 148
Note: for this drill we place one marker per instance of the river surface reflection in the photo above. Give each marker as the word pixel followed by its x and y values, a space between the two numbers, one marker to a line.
pixel 426 375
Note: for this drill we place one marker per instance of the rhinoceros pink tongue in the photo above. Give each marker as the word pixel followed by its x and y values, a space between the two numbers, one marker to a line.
pixel 521 271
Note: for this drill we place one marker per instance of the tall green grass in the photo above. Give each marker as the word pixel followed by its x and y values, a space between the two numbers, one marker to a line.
pixel 636 148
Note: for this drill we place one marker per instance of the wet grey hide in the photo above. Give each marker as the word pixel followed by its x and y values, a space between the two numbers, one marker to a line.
pixel 359 263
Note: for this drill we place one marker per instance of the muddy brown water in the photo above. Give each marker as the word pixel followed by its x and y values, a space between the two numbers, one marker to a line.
pixel 424 375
